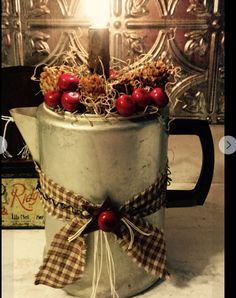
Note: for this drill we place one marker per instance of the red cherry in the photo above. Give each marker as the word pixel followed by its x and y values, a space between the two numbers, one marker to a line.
pixel 108 221
pixel 141 97
pixel 159 97
pixel 68 82
pixel 70 101
pixel 125 105
pixel 52 98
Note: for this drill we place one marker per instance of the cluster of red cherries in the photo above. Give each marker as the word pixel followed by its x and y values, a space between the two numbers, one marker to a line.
pixel 68 97
pixel 127 105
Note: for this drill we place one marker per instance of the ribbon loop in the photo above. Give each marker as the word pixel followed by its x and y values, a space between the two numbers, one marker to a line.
pixel 63 256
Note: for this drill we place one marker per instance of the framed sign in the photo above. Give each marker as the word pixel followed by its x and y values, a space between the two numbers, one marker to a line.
pixel 21 206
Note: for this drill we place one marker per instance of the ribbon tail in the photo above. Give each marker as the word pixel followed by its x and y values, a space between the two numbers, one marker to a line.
pixel 65 260
pixel 147 251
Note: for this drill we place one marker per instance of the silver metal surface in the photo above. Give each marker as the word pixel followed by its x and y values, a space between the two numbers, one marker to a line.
pixel 95 158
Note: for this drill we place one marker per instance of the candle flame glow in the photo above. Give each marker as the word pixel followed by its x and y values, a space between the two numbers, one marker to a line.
pixel 98 11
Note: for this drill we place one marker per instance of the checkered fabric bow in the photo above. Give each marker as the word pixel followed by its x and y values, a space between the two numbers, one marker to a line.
pixel 65 259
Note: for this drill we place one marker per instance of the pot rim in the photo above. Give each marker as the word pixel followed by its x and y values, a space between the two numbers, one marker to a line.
pixel 95 117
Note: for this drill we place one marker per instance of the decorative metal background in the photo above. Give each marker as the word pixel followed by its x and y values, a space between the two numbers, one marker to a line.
pixel 190 32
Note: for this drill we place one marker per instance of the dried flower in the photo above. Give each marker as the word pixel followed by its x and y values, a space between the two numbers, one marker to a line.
pixel 149 75
pixel 93 86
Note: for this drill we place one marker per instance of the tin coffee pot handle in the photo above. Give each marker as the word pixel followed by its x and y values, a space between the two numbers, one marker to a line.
pixel 196 196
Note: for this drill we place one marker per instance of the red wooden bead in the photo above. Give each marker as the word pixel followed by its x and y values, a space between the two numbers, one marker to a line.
pixel 108 221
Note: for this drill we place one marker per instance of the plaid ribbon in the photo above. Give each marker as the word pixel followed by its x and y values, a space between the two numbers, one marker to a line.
pixel 65 260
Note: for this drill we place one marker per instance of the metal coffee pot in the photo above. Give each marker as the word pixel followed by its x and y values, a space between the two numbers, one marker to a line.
pixel 97 157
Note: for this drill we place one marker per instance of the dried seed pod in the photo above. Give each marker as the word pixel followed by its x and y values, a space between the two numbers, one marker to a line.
pixel 149 75
pixel 49 78
pixel 93 85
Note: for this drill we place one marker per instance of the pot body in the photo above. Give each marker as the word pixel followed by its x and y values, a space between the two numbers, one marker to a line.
pixel 95 158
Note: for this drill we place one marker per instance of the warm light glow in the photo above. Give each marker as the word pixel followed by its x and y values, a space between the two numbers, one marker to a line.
pixel 98 11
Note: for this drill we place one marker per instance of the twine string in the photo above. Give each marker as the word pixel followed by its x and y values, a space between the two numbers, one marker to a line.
pixel 98 261
pixel 110 267
pixel 78 233
pixel 131 225
pixel 131 234
pixel 24 151
pixel 8 119
pixel 100 239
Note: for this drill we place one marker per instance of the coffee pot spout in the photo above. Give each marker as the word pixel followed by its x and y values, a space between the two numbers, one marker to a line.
pixel 27 123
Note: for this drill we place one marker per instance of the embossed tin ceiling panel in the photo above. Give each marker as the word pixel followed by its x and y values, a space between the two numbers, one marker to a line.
pixel 189 32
